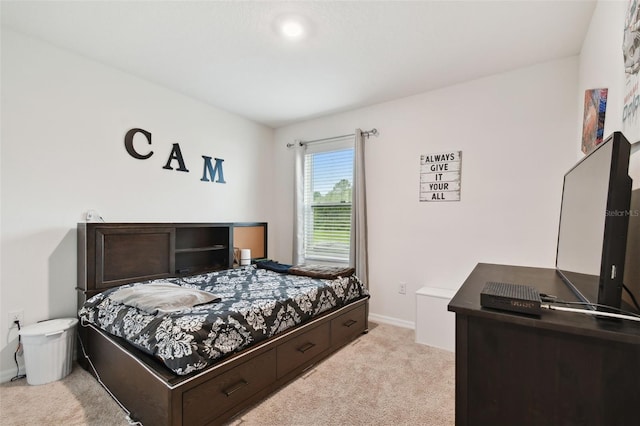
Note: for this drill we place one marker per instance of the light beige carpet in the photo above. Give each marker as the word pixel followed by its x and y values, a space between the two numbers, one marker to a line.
pixel 383 378
pixel 77 399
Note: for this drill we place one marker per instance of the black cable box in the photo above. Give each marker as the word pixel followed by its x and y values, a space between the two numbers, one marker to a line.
pixel 511 297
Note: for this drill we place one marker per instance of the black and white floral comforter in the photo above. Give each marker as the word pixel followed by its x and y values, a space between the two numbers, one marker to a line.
pixel 256 304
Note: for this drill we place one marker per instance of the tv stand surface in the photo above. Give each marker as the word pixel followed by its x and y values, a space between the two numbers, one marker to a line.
pixel 561 368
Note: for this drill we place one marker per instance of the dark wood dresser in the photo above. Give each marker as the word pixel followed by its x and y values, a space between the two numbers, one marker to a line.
pixel 560 368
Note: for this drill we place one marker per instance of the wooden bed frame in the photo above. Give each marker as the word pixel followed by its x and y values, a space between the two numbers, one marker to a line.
pixel 112 254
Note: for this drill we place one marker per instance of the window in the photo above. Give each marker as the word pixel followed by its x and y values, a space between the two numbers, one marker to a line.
pixel 328 183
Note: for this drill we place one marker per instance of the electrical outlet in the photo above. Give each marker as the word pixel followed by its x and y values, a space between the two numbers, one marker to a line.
pixel 15 316
pixel 402 288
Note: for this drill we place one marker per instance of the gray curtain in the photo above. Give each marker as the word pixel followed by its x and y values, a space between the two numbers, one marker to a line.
pixel 298 200
pixel 359 252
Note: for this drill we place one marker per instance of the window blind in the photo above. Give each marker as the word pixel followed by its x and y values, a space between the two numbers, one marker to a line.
pixel 327 204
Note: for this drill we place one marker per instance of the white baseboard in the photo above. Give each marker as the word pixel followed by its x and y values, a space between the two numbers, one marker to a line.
pixel 392 321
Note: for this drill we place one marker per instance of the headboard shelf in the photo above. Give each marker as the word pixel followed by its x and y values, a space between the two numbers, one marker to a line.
pixel 112 254
pixel 196 249
pixel 203 236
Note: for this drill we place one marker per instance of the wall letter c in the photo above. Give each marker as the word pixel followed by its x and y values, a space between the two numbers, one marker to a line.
pixel 128 143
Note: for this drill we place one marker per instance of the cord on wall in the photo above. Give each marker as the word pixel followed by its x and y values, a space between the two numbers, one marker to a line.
pixel 18 376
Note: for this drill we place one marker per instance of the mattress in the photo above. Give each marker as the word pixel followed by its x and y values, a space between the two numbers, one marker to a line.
pixel 252 305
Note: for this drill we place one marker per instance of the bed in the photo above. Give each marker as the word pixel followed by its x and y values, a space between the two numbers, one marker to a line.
pixel 227 375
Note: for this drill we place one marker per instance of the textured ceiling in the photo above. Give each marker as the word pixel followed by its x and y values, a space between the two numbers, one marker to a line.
pixel 230 55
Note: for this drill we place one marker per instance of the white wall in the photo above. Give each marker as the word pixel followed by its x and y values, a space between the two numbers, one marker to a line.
pixel 63 124
pixel 516 132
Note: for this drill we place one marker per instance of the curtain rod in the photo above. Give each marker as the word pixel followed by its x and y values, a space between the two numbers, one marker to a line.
pixel 366 134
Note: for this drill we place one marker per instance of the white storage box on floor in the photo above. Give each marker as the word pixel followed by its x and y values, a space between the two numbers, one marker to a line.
pixel 48 349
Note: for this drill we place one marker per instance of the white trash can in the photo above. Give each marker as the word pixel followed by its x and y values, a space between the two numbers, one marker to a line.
pixel 48 349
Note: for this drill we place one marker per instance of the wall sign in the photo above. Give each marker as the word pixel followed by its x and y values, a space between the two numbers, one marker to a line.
pixel 209 170
pixel 440 176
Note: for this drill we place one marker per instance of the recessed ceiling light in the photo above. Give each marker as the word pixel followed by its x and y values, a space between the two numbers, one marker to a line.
pixel 292 28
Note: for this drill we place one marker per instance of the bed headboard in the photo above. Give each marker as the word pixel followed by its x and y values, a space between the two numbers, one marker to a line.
pixel 112 254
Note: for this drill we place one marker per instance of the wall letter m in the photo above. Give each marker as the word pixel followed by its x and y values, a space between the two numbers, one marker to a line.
pixel 212 170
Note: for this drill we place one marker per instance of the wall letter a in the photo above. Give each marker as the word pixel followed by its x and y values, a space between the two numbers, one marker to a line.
pixel 208 168
pixel 176 154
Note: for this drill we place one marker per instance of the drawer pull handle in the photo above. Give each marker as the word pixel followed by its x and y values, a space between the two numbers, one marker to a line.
pixel 306 347
pixel 242 383
pixel 350 323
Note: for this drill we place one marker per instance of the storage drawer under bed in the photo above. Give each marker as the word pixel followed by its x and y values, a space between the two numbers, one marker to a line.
pixel 211 399
pixel 301 349
pixel 348 325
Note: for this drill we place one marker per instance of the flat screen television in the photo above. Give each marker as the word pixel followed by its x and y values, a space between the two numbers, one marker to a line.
pixel 594 219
